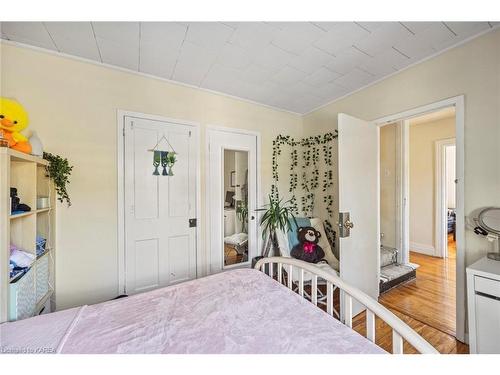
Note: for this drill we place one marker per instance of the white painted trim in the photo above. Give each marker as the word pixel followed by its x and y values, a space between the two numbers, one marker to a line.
pixel 459 103
pixel 401 219
pixel 404 198
pixel 440 213
pixel 423 248
pixel 120 120
pixel 120 203
pixel 405 68
pixel 146 75
pixel 259 199
pixel 460 212
pixel 397 204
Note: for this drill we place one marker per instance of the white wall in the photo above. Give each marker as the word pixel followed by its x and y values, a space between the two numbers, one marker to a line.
pixel 423 137
pixel 472 70
pixel 72 105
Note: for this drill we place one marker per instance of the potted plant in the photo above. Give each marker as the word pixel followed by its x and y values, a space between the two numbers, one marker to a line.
pixel 277 216
pixel 171 159
pixel 59 171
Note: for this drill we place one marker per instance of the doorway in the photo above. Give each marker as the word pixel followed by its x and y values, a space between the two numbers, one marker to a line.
pixel 158 202
pixel 418 218
pixel 232 198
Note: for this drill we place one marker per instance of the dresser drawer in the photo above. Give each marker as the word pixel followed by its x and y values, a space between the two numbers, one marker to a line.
pixel 487 286
pixel 487 325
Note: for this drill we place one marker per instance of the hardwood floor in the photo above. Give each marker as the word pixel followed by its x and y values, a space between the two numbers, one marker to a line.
pixel 427 304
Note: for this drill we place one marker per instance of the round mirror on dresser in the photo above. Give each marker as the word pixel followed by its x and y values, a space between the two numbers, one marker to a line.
pixel 488 224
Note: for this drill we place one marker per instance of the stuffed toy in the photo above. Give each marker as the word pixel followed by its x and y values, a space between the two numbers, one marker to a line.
pixel 13 119
pixel 308 249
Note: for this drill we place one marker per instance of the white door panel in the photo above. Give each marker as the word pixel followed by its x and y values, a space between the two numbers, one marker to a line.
pixel 145 273
pixel 160 246
pixel 358 194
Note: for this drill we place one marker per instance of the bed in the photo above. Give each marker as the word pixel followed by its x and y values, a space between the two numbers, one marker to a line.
pixel 238 311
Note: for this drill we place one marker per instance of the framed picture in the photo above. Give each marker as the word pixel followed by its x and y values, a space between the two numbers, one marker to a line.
pixel 233 179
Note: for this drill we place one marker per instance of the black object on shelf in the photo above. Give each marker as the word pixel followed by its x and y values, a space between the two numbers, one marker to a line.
pixel 16 204
pixel 23 207
pixel 14 199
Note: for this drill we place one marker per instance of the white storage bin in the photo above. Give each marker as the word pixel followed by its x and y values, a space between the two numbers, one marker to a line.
pixel 42 277
pixel 22 297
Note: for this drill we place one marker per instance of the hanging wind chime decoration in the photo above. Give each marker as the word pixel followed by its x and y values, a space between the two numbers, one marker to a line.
pixel 164 158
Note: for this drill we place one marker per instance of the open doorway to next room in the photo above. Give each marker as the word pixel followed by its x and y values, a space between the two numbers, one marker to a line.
pixel 418 218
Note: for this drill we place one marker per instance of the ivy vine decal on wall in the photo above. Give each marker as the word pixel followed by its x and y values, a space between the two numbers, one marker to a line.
pixel 308 168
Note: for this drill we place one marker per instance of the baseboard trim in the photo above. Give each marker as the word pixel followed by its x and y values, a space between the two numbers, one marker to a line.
pixel 422 248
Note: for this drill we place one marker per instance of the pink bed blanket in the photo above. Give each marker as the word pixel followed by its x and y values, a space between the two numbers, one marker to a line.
pixel 240 311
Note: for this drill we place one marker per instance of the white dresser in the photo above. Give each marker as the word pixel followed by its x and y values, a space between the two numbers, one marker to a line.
pixel 483 297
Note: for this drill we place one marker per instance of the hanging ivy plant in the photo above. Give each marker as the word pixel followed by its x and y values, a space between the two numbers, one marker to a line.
pixel 310 165
pixel 59 171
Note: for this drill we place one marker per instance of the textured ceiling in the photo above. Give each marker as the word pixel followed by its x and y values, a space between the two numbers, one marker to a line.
pixel 295 66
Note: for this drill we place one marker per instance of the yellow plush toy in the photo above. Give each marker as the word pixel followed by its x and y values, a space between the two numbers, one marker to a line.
pixel 13 119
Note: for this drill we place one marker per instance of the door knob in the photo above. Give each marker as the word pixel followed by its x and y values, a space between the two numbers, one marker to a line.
pixel 252 217
pixel 348 224
pixel 345 224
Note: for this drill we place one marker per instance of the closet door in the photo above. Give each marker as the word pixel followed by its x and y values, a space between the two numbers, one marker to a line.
pixel 160 240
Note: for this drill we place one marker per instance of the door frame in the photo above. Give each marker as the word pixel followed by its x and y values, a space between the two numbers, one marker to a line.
pixel 441 231
pixel 258 193
pixel 120 165
pixel 459 103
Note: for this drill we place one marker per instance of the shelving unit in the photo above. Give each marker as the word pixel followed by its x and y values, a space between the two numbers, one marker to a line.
pixel 29 294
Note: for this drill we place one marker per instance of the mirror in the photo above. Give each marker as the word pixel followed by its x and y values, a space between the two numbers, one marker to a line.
pixel 235 198
pixel 489 220
pixel 489 225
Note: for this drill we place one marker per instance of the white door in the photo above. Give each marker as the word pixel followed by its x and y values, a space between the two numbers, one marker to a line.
pixel 160 244
pixel 358 142
pixel 219 143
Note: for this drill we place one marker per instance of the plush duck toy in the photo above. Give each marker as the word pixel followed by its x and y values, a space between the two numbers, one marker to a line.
pixel 13 119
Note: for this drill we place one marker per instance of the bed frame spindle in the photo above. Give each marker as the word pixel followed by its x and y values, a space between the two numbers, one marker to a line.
pixel 329 298
pixel 397 343
pixel 370 326
pixel 301 282
pixel 347 310
pixel 314 290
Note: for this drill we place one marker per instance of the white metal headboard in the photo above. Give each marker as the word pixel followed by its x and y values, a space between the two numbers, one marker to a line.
pixel 400 330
